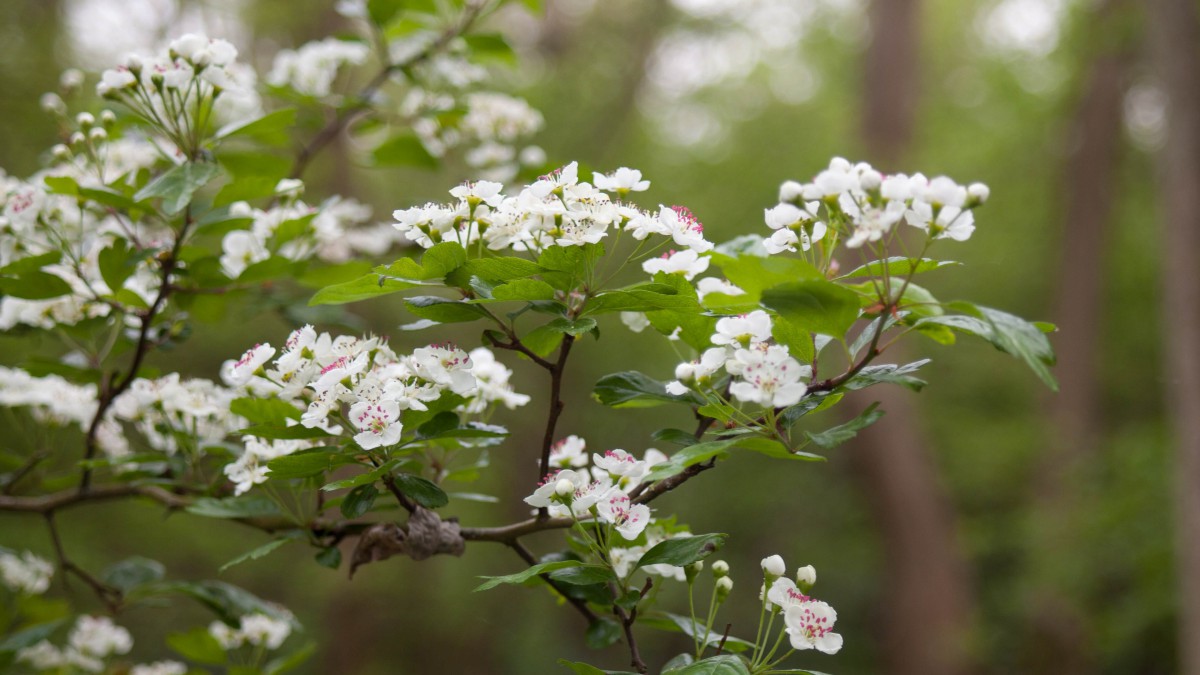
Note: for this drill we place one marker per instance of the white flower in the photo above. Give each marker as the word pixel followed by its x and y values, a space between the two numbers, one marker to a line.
pixel 378 422
pixel 569 452
pixel 809 625
pixel 621 181
pixel 767 376
pixel 943 191
pixel 342 368
pixel 43 656
pixel 683 226
pixel 951 222
pixel 260 629
pixel 977 193
pixel 773 566
pixel 240 249
pixel 186 45
pixel 312 68
pixel 784 593
pixel 686 262
pixel 698 372
pixel 629 520
pixel 98 636
pixel 446 365
pixel 635 321
pixel 587 493
pixel 555 181
pixel 246 367
pixel 481 192
pixel 25 574
pixel 491 378
pixel 714 285
pixel 806 576
pixel 743 330
pixel 619 463
pixel 159 668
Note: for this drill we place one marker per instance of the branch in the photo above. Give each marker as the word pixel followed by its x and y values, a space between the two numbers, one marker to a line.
pixel 556 404
pixel 111 597
pixel 578 604
pixel 363 99
pixel 627 620
pixel 648 492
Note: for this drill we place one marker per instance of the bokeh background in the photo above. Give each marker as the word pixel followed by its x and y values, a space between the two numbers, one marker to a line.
pixel 986 525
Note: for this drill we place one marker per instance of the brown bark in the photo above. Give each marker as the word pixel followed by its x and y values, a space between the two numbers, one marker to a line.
pixel 1175 37
pixel 929 603
pixel 1060 645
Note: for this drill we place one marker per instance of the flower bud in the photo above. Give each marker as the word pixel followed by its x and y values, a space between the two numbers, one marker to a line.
pixel 85 120
pixel 724 585
pixel 690 571
pixel 790 191
pixel 53 103
pixel 977 193
pixel 71 79
pixel 77 139
pixel 108 118
pixel 773 566
pixel 806 577
pixel 61 152
pixel 133 62
pixel 720 569
pixel 98 134
pixel 564 488
pixel 870 180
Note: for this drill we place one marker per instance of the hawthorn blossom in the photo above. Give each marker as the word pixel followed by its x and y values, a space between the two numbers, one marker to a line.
pixel 569 452
pixel 744 330
pixel 492 380
pixel 379 422
pixel 446 365
pixel 686 262
pixel 159 668
pixel 621 181
pixel 312 68
pixel 767 376
pixel 587 493
pixel 249 364
pixel 26 573
pixel 630 520
pixel 619 463
pixel 256 629
pixel 809 625
pixel 635 321
pixel 98 637
pixel 683 226
pixel 714 285
pixel 697 373
pixel 784 593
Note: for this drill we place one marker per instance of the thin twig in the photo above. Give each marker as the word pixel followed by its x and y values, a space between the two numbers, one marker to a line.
pixel 578 604
pixel 111 597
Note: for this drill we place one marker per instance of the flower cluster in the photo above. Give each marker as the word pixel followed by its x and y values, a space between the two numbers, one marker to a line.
pixel 556 210
pixel 170 411
pixel 185 90
pixel 256 630
pixel 311 69
pixel 807 622
pixel 858 202
pixel 90 641
pixel 601 491
pixel 26 573
pixel 360 386
pixel 763 374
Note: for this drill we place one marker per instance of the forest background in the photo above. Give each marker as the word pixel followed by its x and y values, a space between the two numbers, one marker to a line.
pixel 1050 528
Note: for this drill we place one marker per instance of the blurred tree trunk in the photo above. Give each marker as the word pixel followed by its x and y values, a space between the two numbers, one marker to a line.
pixel 1094 150
pixel 1175 38
pixel 925 576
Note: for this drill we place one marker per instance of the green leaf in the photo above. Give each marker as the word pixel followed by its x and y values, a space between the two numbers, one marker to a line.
pixel 328 275
pixel 631 389
pixel 525 575
pixel 755 274
pixel 774 449
pixel 307 463
pixel 897 267
pixel 359 501
pixel 382 12
pixel 499 269
pixel 889 373
pixel 197 645
pixel 581 668
pixel 246 506
pixel 523 289
pixel 491 46
pixel 29 636
pixel 329 557
pixel 422 491
pixel 815 305
pixel 544 339
pixel 288 662
pixel 177 185
pixel 798 341
pixel 117 261
pixel 442 310
pixel 361 479
pixel 843 432
pixel 601 633
pixel 363 288
pixel 133 572
pixel 693 454
pixel 272 128
pixel 404 149
pixel 227 601
pixel 1006 332
pixel 725 664
pixel 283 432
pixel 682 550
pixel 584 575
pixel 683 624
pixel 261 551
pixel 268 411
pixel 31 264
pixel 36 285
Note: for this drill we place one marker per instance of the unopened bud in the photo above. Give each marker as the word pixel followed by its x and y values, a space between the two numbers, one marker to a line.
pixel 790 191
pixel 806 577
pixel 870 180
pixel 71 79
pixel 98 134
pixel 773 566
pixel 977 193
pixel 724 586
pixel 564 488
pixel 61 152
pixel 690 571
pixel 53 103
pixel 720 569
pixel 108 118
pixel 85 120
pixel 78 139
